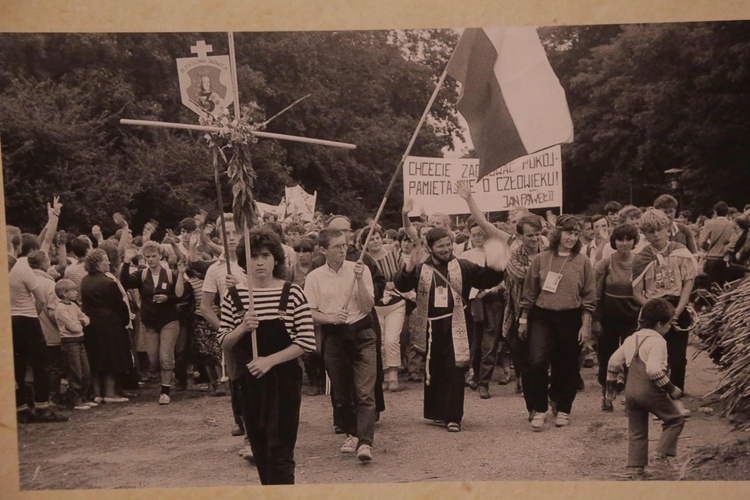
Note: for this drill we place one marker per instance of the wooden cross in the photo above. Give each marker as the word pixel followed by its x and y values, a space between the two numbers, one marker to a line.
pixel 202 50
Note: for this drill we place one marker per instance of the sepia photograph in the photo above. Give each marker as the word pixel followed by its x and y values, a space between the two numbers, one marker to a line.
pixel 477 254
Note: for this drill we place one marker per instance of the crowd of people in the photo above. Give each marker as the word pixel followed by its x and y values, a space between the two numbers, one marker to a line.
pixel 365 312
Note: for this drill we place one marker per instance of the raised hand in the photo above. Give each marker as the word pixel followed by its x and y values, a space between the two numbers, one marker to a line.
pixel 53 210
pixel 408 205
pixel 464 189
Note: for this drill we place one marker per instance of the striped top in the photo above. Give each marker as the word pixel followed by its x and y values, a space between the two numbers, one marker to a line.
pixel 389 266
pixel 298 318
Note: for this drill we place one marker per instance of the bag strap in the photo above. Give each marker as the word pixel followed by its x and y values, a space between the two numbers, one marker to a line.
pixel 144 275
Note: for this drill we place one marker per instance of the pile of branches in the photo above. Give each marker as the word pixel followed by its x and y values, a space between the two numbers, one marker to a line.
pixel 724 330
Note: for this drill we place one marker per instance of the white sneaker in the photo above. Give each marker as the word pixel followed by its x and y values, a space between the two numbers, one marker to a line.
pixel 364 453
pixel 164 399
pixel 247 453
pixel 350 444
pixel 537 422
pixel 562 419
pixel 82 406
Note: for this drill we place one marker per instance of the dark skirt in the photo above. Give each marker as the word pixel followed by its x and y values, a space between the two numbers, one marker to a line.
pixel 107 345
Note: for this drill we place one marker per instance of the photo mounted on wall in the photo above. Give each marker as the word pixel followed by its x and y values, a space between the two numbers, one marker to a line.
pixel 391 256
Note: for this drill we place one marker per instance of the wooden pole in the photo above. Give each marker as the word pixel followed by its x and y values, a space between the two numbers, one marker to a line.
pixel 246 223
pixel 258 133
pixel 220 199
pixel 235 87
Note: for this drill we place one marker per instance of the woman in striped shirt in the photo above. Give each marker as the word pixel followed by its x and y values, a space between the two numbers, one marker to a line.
pixel 270 385
pixel 391 308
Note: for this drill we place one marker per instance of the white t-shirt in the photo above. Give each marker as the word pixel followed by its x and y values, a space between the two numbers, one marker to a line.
pixel 23 283
pixel 215 280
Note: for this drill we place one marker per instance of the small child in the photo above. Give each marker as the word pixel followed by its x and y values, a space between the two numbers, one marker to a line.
pixel 70 321
pixel 648 389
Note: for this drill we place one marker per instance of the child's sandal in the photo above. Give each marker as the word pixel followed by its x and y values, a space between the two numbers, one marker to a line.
pixel 454 427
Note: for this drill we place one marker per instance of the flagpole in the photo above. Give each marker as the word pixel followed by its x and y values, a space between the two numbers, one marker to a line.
pixel 399 167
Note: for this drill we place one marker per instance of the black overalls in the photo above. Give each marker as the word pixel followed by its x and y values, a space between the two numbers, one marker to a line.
pixel 270 404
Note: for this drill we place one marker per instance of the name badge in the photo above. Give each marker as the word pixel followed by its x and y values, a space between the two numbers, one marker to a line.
pixel 551 282
pixel 163 286
pixel 441 296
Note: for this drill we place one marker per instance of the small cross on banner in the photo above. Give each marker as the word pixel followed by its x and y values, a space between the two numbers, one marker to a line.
pixel 201 49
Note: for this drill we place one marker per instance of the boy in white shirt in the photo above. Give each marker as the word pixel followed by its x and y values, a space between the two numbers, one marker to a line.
pixel 648 388
pixel 70 321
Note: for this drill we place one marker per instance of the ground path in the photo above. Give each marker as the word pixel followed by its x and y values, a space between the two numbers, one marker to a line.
pixel 142 444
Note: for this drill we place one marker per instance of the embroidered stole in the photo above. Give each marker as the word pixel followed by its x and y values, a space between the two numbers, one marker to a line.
pixel 422 322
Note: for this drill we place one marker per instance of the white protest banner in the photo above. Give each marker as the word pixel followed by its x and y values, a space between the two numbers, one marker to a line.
pixel 533 181
pixel 264 208
pixel 299 202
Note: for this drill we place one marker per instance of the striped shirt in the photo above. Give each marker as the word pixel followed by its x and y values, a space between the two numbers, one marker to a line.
pixel 389 265
pixel 298 318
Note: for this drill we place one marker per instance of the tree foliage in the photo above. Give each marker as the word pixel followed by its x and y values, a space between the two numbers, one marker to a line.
pixel 648 98
pixel 62 95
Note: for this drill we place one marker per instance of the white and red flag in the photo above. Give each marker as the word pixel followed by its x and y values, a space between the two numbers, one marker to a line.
pixel 510 96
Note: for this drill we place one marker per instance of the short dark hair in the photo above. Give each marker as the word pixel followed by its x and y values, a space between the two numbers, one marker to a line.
pixel 304 245
pixel 366 231
pixel 188 224
pixel 625 231
pixel 597 217
pixel 294 228
pixel 665 201
pixel 529 220
pixel 36 259
pixel 264 239
pixel 391 233
pixel 721 209
pixel 80 246
pixel 29 243
pixel 612 206
pixel 655 311
pixel 403 236
pixel 437 233
pixel 565 222
pixel 113 252
pixel 276 228
pixel 743 222
pixel 326 235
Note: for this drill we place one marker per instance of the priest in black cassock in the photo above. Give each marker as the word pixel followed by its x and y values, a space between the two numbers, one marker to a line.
pixel 443 283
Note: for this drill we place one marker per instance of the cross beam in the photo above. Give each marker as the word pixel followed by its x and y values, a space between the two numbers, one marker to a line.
pixel 268 135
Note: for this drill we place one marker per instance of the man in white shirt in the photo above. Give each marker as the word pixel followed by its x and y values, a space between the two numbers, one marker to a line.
pixel 349 341
pixel 29 345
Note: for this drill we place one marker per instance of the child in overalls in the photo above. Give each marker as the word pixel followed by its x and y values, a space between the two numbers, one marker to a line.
pixel 269 386
pixel 643 356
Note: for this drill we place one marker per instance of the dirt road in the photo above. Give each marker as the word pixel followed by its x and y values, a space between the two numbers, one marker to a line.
pixel 188 443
